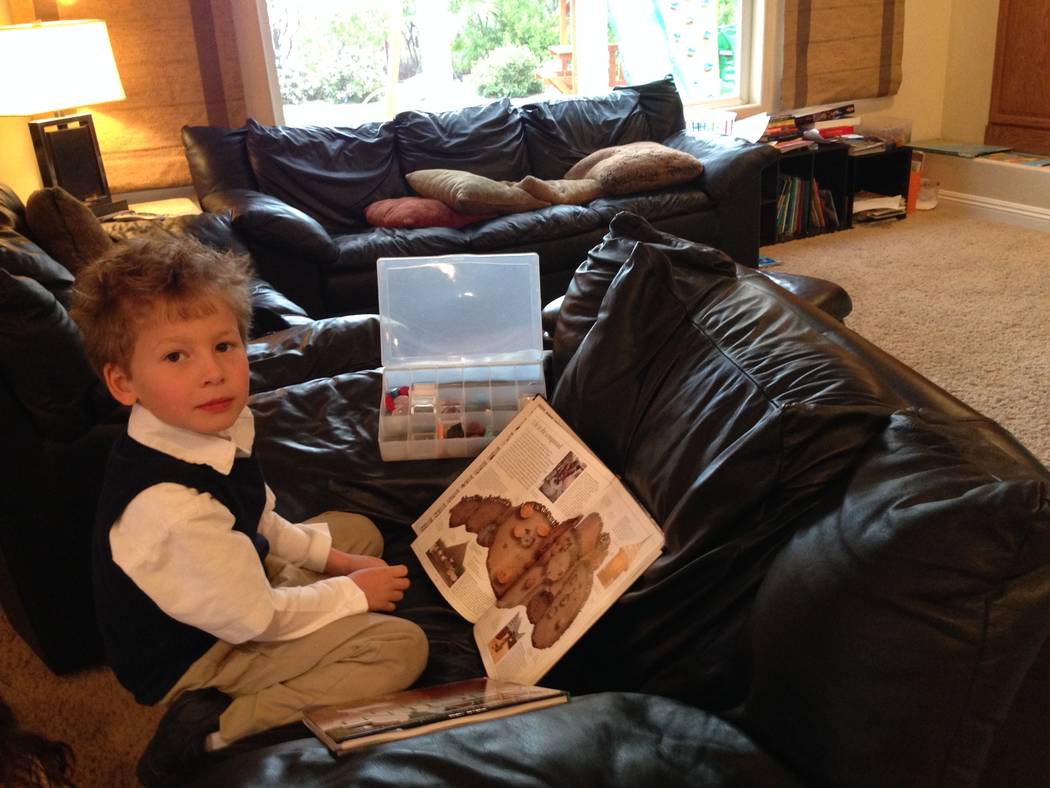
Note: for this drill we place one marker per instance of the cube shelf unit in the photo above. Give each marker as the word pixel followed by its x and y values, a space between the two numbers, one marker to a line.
pixel 835 170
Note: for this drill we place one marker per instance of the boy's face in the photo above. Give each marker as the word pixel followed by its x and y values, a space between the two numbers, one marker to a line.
pixel 189 373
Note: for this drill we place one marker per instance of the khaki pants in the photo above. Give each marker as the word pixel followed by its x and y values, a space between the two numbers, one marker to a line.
pixel 349 659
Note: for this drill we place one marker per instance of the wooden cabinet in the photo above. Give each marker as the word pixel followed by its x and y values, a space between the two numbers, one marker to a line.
pixel 1019 115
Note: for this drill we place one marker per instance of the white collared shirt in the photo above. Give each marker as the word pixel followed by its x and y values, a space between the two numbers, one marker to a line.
pixel 178 545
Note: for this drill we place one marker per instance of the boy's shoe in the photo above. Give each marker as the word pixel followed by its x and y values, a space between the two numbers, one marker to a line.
pixel 179 740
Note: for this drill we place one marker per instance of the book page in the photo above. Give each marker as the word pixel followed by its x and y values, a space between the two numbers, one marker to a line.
pixel 533 542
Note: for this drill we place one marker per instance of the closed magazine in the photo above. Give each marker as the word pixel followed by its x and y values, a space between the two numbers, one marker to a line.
pixel 399 715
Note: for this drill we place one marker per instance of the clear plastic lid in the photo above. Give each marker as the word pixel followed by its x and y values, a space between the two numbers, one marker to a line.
pixel 460 310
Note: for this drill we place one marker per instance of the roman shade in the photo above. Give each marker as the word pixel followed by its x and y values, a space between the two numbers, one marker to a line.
pixel 839 50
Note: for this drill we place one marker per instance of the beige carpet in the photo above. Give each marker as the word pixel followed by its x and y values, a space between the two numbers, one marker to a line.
pixel 965 302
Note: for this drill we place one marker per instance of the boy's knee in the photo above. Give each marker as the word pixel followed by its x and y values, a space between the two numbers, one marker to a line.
pixel 414 649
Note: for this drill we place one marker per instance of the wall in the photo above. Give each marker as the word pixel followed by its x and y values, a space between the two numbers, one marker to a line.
pixel 179 65
pixel 923 62
pixel 968 83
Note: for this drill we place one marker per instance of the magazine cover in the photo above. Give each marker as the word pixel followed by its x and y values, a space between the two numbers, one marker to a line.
pixel 398 715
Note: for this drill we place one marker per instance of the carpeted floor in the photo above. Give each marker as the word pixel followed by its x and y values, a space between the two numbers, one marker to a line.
pixel 965 302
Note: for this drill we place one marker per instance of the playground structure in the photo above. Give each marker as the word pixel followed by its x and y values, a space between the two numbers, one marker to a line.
pixel 558 71
pixel 655 38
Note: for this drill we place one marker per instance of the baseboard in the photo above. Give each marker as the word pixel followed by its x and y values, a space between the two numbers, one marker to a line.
pixel 1030 216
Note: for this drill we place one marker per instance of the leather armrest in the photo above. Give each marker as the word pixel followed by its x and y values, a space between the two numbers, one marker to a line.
pixel 725 160
pixel 732 177
pixel 549 316
pixel 266 220
pixel 312 350
pixel 822 293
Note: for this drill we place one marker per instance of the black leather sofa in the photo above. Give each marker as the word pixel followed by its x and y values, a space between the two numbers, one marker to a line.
pixel 297 195
pixel 855 586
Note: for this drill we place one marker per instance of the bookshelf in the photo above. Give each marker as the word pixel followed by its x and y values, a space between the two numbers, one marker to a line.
pixel 836 173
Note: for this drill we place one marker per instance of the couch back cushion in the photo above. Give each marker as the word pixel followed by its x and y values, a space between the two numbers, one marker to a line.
pixel 662 105
pixel 560 133
pixel 218 159
pixel 486 140
pixel 892 633
pixel 729 414
pixel 331 174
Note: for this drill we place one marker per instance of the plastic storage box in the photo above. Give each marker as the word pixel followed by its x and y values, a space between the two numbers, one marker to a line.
pixel 462 348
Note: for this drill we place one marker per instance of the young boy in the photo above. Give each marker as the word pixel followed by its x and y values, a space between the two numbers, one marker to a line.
pixel 207 599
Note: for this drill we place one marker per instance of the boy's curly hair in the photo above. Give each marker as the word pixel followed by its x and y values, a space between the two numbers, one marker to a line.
pixel 119 292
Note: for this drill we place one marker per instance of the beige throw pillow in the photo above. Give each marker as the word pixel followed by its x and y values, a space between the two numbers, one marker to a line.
pixel 472 194
pixel 636 167
pixel 563 192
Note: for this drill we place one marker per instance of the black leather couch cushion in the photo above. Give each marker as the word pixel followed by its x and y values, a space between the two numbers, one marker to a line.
pixel 726 442
pixel 359 251
pixel 552 223
pixel 583 297
pixel 218 159
pixel 314 349
pixel 598 740
pixel 485 140
pixel 560 133
pixel 331 174
pixel 891 634
pixel 21 257
pixel 42 360
pixel 662 106
pixel 654 205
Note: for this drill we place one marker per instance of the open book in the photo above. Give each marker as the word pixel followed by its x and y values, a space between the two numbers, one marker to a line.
pixel 533 542
pixel 398 715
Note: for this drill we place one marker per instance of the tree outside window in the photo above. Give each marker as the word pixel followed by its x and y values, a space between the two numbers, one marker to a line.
pixel 346 62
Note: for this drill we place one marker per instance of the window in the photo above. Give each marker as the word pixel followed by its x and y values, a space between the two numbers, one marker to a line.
pixel 346 62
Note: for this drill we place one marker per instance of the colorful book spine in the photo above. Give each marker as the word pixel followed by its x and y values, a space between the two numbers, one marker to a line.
pixel 830 113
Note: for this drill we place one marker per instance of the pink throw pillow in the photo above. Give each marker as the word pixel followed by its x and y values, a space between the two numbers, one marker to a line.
pixel 417 212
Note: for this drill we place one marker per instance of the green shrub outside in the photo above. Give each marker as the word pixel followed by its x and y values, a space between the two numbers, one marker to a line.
pixel 507 71
pixel 491 24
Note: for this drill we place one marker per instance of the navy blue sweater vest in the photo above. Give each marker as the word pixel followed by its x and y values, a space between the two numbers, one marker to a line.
pixel 147 649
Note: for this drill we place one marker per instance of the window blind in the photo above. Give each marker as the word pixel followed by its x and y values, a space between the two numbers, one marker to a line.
pixel 839 50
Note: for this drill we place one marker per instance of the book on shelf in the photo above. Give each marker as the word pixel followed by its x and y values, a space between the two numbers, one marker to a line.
pixel 399 715
pixel 533 542
pixel 798 143
pixel 1014 157
pixel 860 145
pixel 803 207
pixel 827 199
pixel 830 132
pixel 915 168
pixel 824 114
pixel 871 215
pixel 967 150
pixel 865 200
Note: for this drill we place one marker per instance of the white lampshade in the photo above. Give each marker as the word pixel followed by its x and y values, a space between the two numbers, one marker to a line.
pixel 55 66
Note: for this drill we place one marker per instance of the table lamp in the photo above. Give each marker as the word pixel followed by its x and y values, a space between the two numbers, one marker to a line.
pixel 56 66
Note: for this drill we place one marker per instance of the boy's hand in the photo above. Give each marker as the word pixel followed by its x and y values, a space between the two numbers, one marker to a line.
pixel 383 586
pixel 340 563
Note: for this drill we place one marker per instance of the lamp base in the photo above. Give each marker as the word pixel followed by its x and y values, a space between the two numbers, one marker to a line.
pixel 68 155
